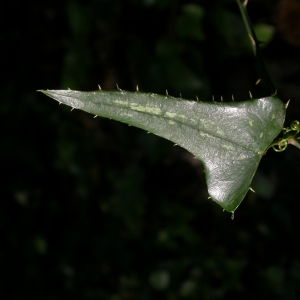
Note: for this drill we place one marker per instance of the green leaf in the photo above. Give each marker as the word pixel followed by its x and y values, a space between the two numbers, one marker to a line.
pixel 228 138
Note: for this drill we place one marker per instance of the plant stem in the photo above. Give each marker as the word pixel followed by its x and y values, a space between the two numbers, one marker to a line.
pixel 263 73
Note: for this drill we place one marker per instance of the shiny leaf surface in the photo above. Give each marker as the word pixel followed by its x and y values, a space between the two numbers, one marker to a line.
pixel 228 138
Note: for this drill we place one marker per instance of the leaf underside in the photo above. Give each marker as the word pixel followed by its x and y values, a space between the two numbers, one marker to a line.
pixel 228 138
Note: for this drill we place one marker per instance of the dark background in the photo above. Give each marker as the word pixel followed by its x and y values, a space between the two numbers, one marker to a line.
pixel 94 209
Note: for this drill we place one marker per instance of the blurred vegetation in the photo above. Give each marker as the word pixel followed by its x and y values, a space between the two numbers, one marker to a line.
pixel 94 209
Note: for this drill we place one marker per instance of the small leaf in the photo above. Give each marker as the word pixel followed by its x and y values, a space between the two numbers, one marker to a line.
pixel 228 138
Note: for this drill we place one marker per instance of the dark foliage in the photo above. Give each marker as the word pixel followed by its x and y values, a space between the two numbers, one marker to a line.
pixel 94 209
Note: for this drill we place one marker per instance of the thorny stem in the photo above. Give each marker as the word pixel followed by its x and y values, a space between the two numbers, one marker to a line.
pixel 263 73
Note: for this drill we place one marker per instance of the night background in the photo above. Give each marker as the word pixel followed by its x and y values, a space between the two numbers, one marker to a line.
pixel 94 209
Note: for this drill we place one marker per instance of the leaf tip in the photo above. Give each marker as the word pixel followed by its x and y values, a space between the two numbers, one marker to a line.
pixel 42 91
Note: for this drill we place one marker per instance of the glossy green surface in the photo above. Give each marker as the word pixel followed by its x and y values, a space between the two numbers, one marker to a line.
pixel 228 138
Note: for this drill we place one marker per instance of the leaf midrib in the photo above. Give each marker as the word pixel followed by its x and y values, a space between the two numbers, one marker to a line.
pixel 180 122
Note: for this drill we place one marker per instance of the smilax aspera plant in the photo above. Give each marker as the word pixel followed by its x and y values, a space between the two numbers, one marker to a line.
pixel 228 138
